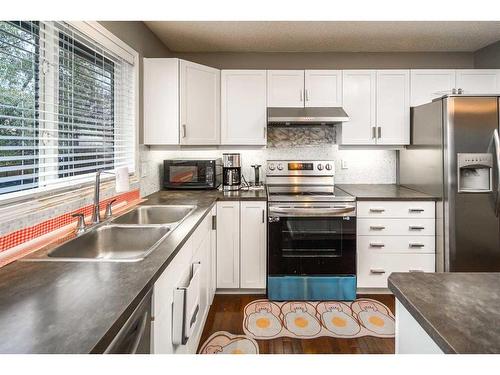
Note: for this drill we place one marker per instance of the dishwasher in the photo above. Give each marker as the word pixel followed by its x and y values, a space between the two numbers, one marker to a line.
pixel 135 335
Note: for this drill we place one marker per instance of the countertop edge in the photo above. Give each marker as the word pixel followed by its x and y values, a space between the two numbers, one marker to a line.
pixel 420 318
pixel 106 339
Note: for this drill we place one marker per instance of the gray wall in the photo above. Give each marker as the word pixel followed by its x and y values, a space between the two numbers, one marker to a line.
pixel 147 44
pixel 331 60
pixel 488 57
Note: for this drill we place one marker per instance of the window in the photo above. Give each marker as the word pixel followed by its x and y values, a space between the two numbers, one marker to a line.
pixel 66 107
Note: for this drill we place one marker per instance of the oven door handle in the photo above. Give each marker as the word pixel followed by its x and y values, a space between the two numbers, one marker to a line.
pixel 314 211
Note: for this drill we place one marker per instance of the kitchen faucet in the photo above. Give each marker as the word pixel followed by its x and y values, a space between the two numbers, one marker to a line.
pixel 96 217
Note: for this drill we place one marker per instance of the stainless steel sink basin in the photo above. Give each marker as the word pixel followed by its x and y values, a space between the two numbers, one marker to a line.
pixel 113 243
pixel 155 215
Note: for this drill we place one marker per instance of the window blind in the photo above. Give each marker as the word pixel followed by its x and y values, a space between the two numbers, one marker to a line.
pixel 66 107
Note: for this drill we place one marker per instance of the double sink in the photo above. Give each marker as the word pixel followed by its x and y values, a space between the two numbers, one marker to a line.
pixel 127 238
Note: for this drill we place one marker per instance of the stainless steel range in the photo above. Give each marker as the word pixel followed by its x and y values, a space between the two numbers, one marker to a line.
pixel 311 233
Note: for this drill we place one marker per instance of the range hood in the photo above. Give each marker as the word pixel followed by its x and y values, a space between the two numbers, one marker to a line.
pixel 306 116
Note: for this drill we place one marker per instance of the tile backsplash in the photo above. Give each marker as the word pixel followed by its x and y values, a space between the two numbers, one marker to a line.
pixel 314 143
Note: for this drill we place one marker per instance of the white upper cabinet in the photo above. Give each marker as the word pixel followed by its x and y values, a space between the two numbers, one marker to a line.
pixel 359 101
pixel 199 104
pixel 243 107
pixel 393 107
pixel 181 103
pixel 479 81
pixel 323 88
pixel 285 88
pixel 161 101
pixel 253 245
pixel 428 84
pixel 378 105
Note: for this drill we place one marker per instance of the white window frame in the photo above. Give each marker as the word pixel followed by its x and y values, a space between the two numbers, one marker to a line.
pixel 99 34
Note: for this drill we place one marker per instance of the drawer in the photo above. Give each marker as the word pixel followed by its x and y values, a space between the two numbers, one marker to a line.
pixel 396 209
pixel 396 227
pixel 395 244
pixel 375 268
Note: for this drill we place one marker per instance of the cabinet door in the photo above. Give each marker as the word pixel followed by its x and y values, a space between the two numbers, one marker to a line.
pixel 323 88
pixel 199 104
pixel 213 257
pixel 253 245
pixel 428 84
pixel 228 244
pixel 479 81
pixel 285 88
pixel 358 93
pixel 393 107
pixel 243 107
pixel 161 101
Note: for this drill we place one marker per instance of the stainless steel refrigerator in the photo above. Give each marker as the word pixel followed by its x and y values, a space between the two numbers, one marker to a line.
pixel 454 155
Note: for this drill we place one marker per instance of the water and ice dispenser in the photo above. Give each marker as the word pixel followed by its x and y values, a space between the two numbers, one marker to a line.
pixel 475 173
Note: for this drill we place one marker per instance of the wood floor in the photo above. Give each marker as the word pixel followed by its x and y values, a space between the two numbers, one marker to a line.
pixel 226 314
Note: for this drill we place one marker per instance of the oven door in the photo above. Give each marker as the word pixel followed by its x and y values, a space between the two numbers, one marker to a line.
pixel 317 239
pixel 190 174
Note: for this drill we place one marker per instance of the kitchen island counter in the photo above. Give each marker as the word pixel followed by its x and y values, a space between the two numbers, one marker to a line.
pixel 459 311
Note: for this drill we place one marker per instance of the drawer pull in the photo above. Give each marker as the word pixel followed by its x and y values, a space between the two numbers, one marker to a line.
pixel 415 270
pixel 374 244
pixel 377 227
pixel 416 210
pixel 413 245
pixel 377 271
pixel 416 227
pixel 377 210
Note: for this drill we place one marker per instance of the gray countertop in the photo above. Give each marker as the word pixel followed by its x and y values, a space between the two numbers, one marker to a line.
pixel 78 307
pixel 459 311
pixel 383 192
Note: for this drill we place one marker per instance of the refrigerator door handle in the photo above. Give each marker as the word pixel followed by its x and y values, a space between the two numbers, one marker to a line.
pixel 496 143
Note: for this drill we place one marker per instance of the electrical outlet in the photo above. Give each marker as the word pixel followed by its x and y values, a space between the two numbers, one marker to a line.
pixel 344 164
pixel 144 169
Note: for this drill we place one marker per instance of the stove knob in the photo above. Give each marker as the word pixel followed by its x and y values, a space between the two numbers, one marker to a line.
pixel 271 167
pixel 328 167
pixel 320 167
pixel 280 167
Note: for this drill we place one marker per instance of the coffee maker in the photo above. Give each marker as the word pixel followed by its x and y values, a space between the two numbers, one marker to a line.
pixel 231 172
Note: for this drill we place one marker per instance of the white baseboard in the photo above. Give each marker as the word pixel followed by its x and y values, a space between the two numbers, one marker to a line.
pixel 373 291
pixel 241 291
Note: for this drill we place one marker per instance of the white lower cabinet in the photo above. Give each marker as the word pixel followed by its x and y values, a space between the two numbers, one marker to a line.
pixel 395 236
pixel 253 245
pixel 168 318
pixel 228 244
pixel 241 245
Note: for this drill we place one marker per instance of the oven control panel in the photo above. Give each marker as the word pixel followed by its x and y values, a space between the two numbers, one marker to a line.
pixel 300 168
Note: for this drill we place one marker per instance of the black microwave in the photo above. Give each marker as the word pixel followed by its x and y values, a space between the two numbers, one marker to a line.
pixel 192 173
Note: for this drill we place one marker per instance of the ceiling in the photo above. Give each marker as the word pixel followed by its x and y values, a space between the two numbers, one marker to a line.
pixel 325 36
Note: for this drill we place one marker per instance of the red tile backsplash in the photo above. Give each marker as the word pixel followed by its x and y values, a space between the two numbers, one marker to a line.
pixel 27 234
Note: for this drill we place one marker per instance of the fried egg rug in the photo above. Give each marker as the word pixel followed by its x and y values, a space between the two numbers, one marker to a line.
pixel 223 342
pixel 266 319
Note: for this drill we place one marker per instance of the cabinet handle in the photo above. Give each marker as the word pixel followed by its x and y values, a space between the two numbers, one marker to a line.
pixel 374 132
pixel 377 271
pixel 184 131
pixel 214 222
pixel 415 270
pixel 415 227
pixel 263 214
pixel 379 132
pixel 376 244
pixel 418 245
pixel 377 210
pixel 300 92
pixel 265 132
pixel 307 95
pixel 416 210
pixel 377 227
